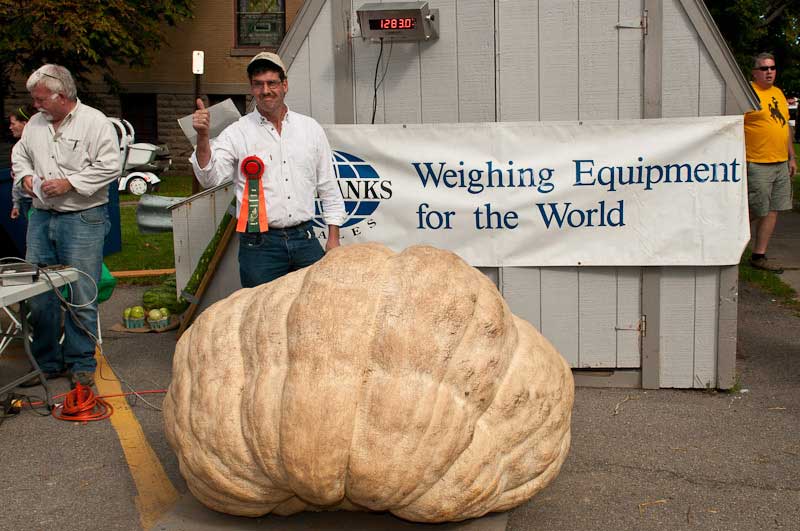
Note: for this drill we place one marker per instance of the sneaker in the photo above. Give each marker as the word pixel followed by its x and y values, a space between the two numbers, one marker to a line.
pixel 35 380
pixel 86 379
pixel 766 265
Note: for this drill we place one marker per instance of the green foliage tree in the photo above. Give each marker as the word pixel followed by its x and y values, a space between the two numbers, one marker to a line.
pixel 86 36
pixel 754 26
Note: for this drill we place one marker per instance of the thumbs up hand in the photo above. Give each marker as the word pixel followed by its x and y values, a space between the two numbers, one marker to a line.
pixel 201 120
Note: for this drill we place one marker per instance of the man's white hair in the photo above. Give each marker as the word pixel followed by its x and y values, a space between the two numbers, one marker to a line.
pixel 56 78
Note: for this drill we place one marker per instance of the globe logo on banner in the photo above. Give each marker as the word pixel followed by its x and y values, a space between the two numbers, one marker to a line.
pixel 361 187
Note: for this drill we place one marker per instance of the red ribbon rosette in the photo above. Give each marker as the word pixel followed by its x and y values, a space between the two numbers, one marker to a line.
pixel 253 212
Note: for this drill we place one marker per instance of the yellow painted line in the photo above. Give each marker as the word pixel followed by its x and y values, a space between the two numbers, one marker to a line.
pixel 156 492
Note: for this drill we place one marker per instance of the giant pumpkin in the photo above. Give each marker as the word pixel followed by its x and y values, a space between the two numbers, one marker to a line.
pixel 369 381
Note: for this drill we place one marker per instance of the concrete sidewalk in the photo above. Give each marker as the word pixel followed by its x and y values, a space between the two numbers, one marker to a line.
pixel 784 247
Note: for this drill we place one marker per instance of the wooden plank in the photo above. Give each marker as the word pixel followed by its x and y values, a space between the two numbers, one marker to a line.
pixel 727 327
pixel 476 61
pixel 439 87
pixel 558 60
pixel 518 60
pixel 344 110
pixel 629 317
pixel 712 87
pixel 493 273
pixel 188 315
pixel 653 62
pixel 631 62
pixel 299 96
pixel 705 327
pixel 677 326
pixel 201 227
pixel 401 87
pixel 322 75
pixel 560 310
pixel 681 63
pixel 142 273
pixel 180 243
pixel 651 341
pixel 597 317
pixel 365 55
pixel 598 67
pixel 521 288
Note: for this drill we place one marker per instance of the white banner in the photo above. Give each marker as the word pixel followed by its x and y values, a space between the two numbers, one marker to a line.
pixel 605 193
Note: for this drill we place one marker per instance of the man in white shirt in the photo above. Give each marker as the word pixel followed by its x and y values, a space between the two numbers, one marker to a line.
pixel 278 160
pixel 66 159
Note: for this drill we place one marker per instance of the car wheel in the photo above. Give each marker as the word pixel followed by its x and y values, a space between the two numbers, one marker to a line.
pixel 138 186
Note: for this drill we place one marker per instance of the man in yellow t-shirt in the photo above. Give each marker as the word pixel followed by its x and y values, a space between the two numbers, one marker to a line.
pixel 770 159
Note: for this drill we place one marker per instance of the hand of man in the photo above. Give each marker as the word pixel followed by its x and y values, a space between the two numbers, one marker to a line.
pixel 14 213
pixel 27 184
pixel 792 167
pixel 56 187
pixel 331 244
pixel 201 119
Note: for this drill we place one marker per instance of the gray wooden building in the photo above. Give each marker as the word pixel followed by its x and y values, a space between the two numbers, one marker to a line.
pixel 537 60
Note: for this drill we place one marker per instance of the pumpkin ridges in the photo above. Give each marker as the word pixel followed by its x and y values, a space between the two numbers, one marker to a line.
pixel 268 340
pixel 476 483
pixel 322 386
pixel 479 474
pixel 407 464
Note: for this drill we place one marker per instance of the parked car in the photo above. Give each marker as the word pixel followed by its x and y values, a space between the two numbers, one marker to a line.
pixel 142 162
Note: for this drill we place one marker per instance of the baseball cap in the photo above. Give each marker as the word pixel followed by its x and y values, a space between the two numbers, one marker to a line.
pixel 266 56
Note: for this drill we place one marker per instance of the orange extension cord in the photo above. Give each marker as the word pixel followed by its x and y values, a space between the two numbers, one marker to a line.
pixel 81 405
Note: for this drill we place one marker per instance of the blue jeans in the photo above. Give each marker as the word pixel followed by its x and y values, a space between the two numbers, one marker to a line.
pixel 265 256
pixel 74 239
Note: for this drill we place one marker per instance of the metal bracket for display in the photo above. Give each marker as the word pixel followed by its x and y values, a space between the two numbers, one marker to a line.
pixel 398 21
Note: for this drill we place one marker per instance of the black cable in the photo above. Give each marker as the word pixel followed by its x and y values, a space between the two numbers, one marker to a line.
pixel 375 84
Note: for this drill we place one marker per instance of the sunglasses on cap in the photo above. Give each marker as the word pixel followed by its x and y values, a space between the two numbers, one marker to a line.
pixel 766 68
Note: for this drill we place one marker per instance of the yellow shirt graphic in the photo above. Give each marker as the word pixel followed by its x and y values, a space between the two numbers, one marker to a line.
pixel 766 132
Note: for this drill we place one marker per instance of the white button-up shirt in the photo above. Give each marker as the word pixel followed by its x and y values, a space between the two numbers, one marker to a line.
pixel 84 150
pixel 298 166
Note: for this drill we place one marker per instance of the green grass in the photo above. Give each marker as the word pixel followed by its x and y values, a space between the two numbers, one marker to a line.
pixel 171 186
pixel 140 251
pixel 768 282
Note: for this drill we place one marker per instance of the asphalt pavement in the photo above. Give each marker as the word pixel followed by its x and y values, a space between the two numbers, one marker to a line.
pixel 640 460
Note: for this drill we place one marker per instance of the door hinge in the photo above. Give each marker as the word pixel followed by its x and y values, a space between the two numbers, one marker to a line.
pixel 641 26
pixel 641 326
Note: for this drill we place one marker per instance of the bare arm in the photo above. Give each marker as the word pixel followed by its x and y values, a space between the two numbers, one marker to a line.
pixel 792 159
pixel 201 122
pixel 333 237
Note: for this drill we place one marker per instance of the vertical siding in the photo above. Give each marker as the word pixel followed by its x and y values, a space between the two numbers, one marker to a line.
pixel 677 326
pixel 321 70
pixel 560 312
pixel 712 87
pixel 518 59
pixel 522 289
pixel 476 66
pixel 629 315
pixel 597 317
pixel 706 309
pixel 558 60
pixel 631 61
pixel 299 96
pixel 401 87
pixel 681 63
pixel 439 87
pixel 598 67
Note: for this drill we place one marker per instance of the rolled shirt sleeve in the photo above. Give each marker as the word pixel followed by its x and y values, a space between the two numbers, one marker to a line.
pixel 333 211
